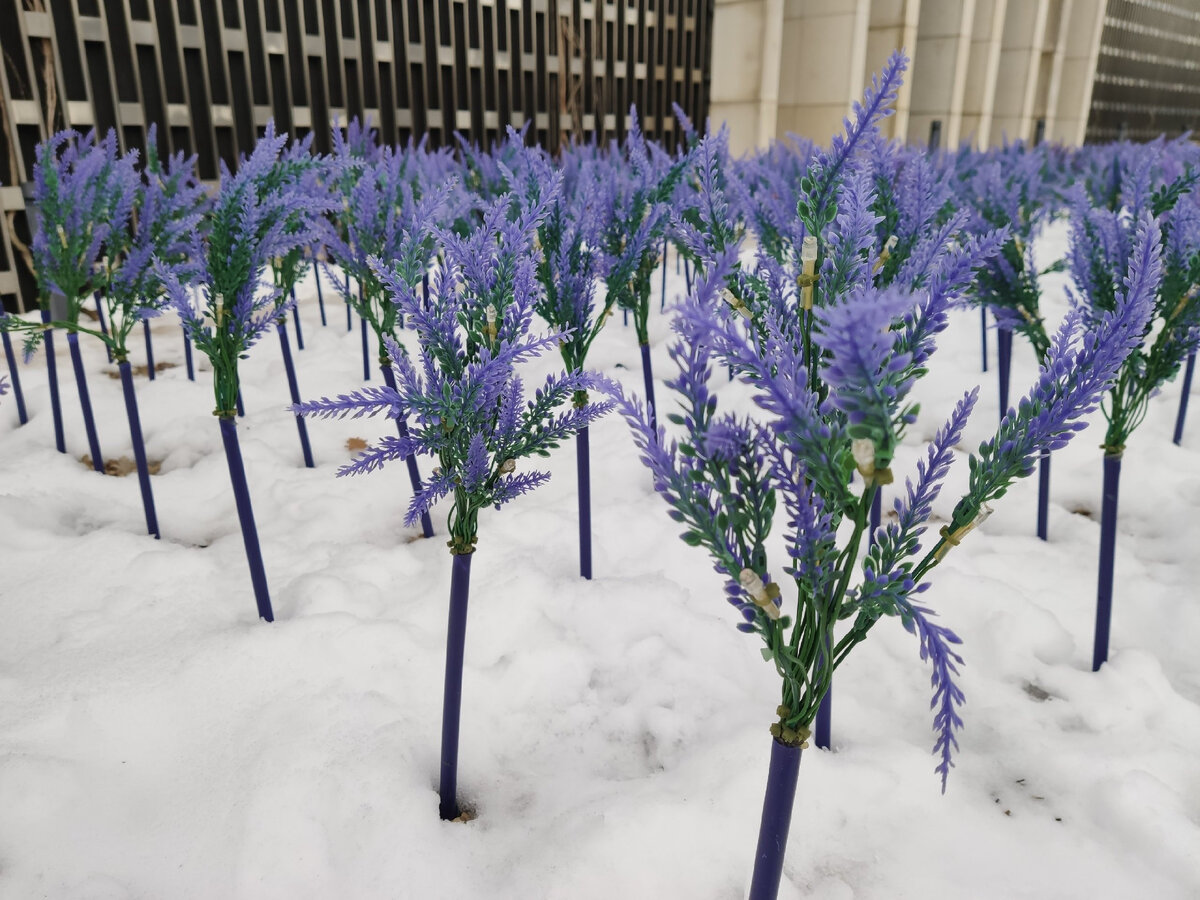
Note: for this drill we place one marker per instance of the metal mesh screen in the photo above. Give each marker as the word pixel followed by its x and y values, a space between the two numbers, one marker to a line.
pixel 212 72
pixel 1148 74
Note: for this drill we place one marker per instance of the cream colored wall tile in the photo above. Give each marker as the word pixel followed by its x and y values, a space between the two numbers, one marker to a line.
pixel 737 51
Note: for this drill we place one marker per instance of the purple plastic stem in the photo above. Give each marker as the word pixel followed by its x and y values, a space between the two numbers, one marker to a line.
pixel 103 324
pixel 823 725
pixel 296 317
pixel 648 379
pixel 687 274
pixel 776 820
pixel 425 290
pixel 983 335
pixel 349 308
pixel 18 395
pixel 456 639
pixel 85 402
pixel 52 375
pixel 1004 365
pixel 1043 510
pixel 663 303
pixel 139 448
pixel 320 295
pixel 293 387
pixel 1181 417
pixel 583 465
pixel 625 317
pixel 149 350
pixel 366 345
pixel 241 495
pixel 187 355
pixel 414 474
pixel 241 407
pixel 1108 553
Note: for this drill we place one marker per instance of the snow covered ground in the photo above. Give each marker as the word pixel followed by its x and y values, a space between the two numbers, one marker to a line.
pixel 158 741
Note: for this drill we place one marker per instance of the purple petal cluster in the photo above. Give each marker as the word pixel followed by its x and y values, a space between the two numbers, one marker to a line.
pixel 460 388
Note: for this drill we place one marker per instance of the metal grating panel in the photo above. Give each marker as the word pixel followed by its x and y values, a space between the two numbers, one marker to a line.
pixel 210 74
pixel 1148 74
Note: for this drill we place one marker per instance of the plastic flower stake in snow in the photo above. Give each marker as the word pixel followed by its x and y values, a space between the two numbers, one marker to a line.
pixel 723 479
pixel 287 270
pixel 635 203
pixel 467 405
pixel 84 193
pixel 165 230
pixel 570 237
pixel 1155 247
pixel 260 213
pixel 388 206
pixel 1009 190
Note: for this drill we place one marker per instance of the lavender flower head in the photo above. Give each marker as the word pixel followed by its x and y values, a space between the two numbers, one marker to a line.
pixel 831 380
pixel 86 192
pixel 262 212
pixel 461 389
pixel 166 231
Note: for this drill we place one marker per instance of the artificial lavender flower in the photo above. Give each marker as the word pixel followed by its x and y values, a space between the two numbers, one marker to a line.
pixel 831 375
pixel 86 193
pixel 1104 247
pixel 467 403
pixel 461 391
pixel 1079 367
pixel 1009 189
pixel 166 232
pixel 310 175
pixel 262 212
pixel 633 192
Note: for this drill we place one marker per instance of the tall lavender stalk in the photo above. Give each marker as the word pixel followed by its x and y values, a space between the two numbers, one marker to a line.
pixel 568 270
pixel 83 196
pixel 635 191
pixel 288 268
pixel 1148 243
pixel 264 212
pixel 723 475
pixel 468 405
pixel 388 203
pixel 166 228
pixel 1010 189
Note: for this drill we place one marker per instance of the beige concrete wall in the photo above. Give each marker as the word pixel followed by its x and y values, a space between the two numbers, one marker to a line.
pixel 986 69
pixel 892 25
pixel 983 69
pixel 939 78
pixel 740 68
pixel 1054 47
pixel 1020 61
pixel 1084 24
pixel 822 72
